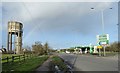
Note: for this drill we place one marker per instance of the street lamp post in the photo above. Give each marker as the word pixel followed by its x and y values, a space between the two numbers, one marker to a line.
pixel 104 54
pixel 118 32
pixel 102 18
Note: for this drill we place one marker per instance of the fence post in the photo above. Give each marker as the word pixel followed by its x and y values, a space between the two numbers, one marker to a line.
pixel 19 57
pixel 12 58
pixel 24 57
pixel 30 55
pixel 7 59
pixel 27 56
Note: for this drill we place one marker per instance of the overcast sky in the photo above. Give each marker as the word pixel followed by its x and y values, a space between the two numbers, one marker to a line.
pixel 61 24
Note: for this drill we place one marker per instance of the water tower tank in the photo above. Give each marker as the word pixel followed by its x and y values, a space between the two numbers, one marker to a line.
pixel 14 26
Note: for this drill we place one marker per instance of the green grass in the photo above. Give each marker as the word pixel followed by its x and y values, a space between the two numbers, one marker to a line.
pixel 110 53
pixel 56 60
pixel 28 65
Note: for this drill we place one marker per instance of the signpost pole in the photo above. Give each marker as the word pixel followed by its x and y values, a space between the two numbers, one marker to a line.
pixel 103 30
pixel 104 50
pixel 99 52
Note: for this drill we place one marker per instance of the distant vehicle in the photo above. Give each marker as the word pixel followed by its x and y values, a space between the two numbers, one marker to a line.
pixel 0 51
pixel 67 52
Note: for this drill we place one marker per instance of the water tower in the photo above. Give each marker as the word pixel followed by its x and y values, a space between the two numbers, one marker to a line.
pixel 14 28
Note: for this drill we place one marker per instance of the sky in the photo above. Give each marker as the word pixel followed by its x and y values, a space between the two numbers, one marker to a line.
pixel 61 24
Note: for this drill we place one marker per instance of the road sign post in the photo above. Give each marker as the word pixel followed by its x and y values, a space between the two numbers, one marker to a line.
pixel 99 47
pixel 103 40
pixel 99 52
pixel 104 51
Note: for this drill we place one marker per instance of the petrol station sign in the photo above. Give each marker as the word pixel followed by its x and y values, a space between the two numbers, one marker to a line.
pixel 100 47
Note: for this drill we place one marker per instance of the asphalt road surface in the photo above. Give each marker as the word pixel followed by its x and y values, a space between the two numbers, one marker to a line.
pixel 91 63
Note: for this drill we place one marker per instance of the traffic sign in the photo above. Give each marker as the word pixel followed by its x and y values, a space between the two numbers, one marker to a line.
pixel 103 39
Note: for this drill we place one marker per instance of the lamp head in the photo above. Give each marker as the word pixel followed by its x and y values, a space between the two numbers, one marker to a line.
pixel 92 8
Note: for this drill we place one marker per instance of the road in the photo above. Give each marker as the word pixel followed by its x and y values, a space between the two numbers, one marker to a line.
pixel 91 63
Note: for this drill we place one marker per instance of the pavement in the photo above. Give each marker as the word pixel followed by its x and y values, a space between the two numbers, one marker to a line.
pixel 44 68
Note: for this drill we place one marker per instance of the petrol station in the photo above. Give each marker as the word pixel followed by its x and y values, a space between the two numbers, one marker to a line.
pixel 102 42
pixel 88 49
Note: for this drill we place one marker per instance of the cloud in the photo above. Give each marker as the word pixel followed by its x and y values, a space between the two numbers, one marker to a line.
pixel 30 11
pixel 1 24
pixel 64 18
pixel 24 11
pixel 60 0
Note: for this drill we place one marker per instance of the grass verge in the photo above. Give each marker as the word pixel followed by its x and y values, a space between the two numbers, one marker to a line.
pixel 56 60
pixel 24 66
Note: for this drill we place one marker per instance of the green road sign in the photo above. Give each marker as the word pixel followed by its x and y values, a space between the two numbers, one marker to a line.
pixel 103 39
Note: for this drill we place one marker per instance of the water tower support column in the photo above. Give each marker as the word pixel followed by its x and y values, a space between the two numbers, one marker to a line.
pixel 10 41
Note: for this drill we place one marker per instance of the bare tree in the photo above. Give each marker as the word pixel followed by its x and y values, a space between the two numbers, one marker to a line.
pixel 46 48
pixel 38 48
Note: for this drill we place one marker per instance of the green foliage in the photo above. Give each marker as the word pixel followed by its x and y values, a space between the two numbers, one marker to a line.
pixel 47 48
pixel 114 47
pixel 62 50
pixel 41 49
pixel 70 50
pixel 38 48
